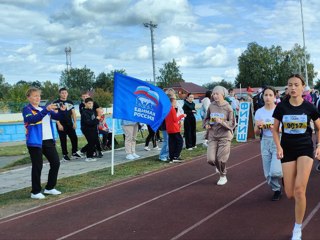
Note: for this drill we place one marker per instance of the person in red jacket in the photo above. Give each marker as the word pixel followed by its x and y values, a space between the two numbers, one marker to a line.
pixel 173 129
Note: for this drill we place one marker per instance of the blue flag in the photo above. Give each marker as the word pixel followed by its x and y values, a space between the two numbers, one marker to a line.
pixel 138 101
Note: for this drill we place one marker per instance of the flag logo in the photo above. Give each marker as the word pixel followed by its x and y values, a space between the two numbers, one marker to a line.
pixel 139 101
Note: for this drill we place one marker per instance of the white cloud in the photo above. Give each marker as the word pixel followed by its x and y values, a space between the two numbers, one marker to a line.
pixel 25 50
pixel 169 47
pixel 209 57
pixel 231 73
pixel 143 52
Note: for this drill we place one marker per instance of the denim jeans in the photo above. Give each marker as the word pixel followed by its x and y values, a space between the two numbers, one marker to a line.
pixel 271 165
pixel 164 153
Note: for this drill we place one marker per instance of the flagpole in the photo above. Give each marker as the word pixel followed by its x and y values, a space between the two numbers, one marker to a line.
pixel 112 147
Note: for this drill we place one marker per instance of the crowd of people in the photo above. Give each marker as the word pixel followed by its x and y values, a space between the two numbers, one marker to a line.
pixel 284 123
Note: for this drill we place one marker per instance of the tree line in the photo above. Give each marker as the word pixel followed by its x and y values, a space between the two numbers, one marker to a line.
pixel 257 65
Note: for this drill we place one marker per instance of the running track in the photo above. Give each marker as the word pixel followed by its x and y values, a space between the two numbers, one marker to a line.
pixel 180 202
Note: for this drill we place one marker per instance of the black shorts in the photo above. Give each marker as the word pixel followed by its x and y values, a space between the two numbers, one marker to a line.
pixel 292 152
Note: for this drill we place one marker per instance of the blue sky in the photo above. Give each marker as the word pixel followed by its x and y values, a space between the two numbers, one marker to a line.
pixel 205 37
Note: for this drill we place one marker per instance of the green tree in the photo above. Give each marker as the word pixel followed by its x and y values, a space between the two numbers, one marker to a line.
pixel 50 91
pixel 260 66
pixel 169 74
pixel 223 83
pixel 105 81
pixel 102 97
pixel 4 87
pixel 16 97
pixel 77 80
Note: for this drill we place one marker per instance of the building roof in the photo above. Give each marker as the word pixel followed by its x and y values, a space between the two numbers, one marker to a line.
pixel 189 87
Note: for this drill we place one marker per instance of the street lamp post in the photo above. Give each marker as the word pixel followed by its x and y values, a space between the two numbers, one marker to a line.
pixel 151 25
pixel 304 46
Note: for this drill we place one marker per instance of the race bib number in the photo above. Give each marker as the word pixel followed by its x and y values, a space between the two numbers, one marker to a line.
pixel 215 116
pixel 295 124
pixel 267 124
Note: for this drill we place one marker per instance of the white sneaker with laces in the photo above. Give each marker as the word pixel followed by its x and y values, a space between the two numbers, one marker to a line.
pixel 222 181
pixel 52 192
pixel 38 196
pixel 147 148
pixel 130 157
pixel 135 155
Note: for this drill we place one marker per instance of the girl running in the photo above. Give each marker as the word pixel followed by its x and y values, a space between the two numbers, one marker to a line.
pixel 296 147
pixel 219 123
pixel 264 124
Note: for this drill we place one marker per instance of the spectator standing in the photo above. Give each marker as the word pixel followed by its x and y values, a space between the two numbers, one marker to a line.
pixel 189 109
pixel 85 95
pixel 164 152
pixel 220 123
pixel 89 127
pixel 104 130
pixel 151 136
pixel 82 106
pixel 264 125
pixel 205 103
pixel 130 130
pixel 295 149
pixel 278 98
pixel 67 126
pixel 306 94
pixel 173 129
pixel 40 141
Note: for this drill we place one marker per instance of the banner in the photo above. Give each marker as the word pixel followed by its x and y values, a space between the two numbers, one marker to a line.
pixel 138 101
pixel 245 128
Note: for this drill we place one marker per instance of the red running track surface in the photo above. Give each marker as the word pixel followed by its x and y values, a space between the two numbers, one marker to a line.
pixel 180 202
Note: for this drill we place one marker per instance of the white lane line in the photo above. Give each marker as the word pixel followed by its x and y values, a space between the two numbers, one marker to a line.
pixel 310 216
pixel 216 212
pixel 65 201
pixel 151 200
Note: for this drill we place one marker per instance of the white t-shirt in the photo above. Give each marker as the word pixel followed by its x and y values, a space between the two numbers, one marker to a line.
pixel 262 114
pixel 46 127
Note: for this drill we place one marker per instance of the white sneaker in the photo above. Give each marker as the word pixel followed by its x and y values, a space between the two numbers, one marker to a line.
pixel 38 196
pixel 147 148
pixel 130 157
pixel 90 159
pixel 296 234
pixel 195 146
pixel 189 149
pixel 135 155
pixel 52 192
pixel 157 148
pixel 222 181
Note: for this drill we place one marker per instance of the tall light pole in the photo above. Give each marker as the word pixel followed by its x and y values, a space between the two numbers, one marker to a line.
pixel 151 25
pixel 304 45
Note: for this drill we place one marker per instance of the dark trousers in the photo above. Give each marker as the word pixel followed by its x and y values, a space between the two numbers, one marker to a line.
pixel 190 131
pixel 92 137
pixel 50 152
pixel 175 145
pixel 151 136
pixel 71 133
pixel 107 138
